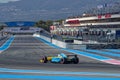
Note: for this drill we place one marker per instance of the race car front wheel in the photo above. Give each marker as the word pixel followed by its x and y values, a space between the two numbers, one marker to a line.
pixel 63 61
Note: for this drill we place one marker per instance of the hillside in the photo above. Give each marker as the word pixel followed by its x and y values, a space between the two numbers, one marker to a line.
pixel 34 10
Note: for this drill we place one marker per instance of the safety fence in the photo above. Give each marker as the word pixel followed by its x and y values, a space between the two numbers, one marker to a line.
pixel 62 44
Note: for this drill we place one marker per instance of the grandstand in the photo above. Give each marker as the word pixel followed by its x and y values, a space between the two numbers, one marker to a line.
pixel 113 8
pixel 101 25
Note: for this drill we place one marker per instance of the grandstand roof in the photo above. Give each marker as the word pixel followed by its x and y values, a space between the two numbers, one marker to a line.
pixel 105 8
pixel 113 8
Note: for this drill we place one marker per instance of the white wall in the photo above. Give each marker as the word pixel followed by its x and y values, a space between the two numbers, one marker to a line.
pixel 62 44
pixel 59 43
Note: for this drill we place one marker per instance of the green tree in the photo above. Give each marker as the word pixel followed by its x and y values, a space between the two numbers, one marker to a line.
pixel 1 27
pixel 60 21
pixel 44 24
pixel 48 24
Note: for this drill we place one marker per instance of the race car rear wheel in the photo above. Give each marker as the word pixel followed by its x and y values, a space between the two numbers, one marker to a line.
pixel 63 61
pixel 76 60
pixel 44 59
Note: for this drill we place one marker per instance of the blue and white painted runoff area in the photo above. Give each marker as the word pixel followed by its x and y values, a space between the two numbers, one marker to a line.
pixel 6 73
pixel 87 54
pixel 53 75
pixel 11 76
pixel 103 52
pixel 113 50
pixel 7 44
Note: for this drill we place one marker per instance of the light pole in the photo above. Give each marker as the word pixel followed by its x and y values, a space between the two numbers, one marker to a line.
pixel 51 37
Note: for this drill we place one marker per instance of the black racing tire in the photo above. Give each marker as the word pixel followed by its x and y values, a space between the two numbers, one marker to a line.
pixel 76 60
pixel 63 61
pixel 44 59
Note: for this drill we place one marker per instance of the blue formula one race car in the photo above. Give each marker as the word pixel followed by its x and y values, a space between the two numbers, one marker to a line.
pixel 61 58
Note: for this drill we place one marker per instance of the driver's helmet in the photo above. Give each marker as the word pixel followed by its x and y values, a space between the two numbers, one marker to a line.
pixel 59 55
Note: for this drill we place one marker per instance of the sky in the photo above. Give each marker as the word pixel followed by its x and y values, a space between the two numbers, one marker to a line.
pixel 6 1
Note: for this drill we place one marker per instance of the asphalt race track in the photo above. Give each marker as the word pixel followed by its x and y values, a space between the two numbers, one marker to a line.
pixel 25 52
pixel 2 40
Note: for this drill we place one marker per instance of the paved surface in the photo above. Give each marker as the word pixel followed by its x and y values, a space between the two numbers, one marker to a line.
pixel 2 40
pixel 106 53
pixel 25 52
pixel 28 50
